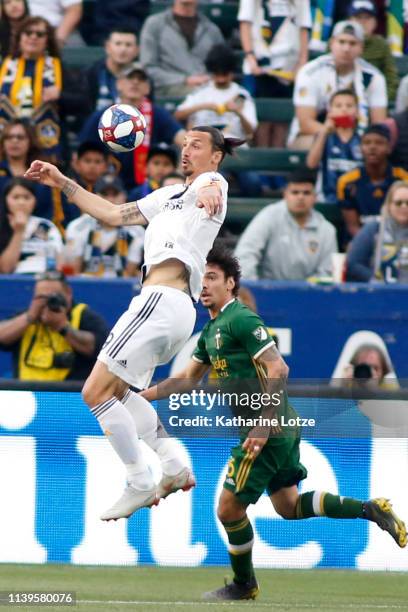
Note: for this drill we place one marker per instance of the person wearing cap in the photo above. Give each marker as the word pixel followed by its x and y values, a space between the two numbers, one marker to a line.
pixel 342 68
pixel 55 338
pixel 162 160
pixel 134 88
pixel 97 249
pixel 173 46
pixel 376 49
pixel 361 192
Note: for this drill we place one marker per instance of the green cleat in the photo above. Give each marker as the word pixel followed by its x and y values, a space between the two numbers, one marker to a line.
pixel 234 591
pixel 380 511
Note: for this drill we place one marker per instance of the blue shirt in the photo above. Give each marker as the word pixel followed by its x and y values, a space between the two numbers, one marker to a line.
pixel 355 191
pixel 338 158
pixel 165 127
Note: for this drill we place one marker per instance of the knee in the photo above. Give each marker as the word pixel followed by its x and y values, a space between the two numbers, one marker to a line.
pixel 227 513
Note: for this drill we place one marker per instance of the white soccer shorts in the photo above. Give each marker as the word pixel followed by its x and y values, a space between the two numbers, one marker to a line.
pixel 157 324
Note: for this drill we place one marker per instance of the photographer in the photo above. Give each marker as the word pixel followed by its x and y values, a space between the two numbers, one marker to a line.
pixel 54 339
pixel 369 366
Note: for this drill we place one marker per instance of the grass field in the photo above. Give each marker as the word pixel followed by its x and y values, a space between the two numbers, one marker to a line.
pixel 148 589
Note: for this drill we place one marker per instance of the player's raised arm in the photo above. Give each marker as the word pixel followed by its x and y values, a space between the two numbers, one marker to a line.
pixel 94 205
pixel 182 382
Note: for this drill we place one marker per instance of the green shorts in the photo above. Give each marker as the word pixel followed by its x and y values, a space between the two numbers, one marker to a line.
pixel 277 466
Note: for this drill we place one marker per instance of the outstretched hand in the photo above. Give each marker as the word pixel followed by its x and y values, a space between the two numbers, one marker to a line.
pixel 210 198
pixel 45 173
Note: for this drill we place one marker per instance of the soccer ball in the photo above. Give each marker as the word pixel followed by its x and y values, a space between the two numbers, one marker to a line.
pixel 122 127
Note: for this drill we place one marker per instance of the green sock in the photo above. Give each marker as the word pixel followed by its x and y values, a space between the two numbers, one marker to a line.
pixel 319 503
pixel 241 539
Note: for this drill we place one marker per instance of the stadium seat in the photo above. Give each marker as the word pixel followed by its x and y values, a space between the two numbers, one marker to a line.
pixel 402 65
pixel 81 57
pixel 271 161
pixel 242 210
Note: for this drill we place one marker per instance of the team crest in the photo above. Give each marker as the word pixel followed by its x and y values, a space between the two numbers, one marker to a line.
pixel 260 334
pixel 218 340
pixel 313 246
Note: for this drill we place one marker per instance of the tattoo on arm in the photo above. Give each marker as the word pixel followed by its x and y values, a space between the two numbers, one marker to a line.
pixel 271 354
pixel 130 214
pixel 69 188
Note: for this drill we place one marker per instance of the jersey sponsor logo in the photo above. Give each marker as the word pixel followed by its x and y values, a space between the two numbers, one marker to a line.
pixel 178 205
pixel 169 245
pixel 260 334
pixel 219 364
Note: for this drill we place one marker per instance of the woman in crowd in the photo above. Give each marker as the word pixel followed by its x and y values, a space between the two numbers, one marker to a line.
pixel 11 14
pixel 27 243
pixel 380 249
pixel 31 81
pixel 18 148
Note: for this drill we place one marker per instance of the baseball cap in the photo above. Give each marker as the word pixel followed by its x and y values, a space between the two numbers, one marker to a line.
pixel 349 27
pixel 134 69
pixel 109 182
pixel 362 6
pixel 163 149
pixel 379 128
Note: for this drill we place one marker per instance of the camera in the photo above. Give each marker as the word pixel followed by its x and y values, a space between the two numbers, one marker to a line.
pixel 56 301
pixel 362 371
pixel 63 360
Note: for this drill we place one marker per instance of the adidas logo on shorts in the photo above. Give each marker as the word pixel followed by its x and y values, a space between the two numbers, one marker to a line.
pixel 122 362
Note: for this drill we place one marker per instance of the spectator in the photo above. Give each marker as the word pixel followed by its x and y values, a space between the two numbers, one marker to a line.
pixel 121 50
pixel 11 14
pixel 361 192
pixel 134 88
pixel 97 249
pixel 342 68
pixel 401 100
pixel 90 164
pixel 31 81
pixel 398 125
pixel 173 48
pixel 369 366
pixel 174 178
pixel 18 148
pixel 336 148
pixel 221 102
pixel 55 338
pixel 380 249
pixel 274 38
pixel 288 240
pixel 119 14
pixel 63 15
pixel 161 161
pixel 224 104
pixel 26 241
pixel 376 49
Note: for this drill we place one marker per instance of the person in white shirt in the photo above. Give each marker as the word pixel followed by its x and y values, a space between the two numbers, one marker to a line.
pixel 342 68
pixel 183 222
pixel 274 37
pixel 97 249
pixel 63 15
pixel 27 243
pixel 226 105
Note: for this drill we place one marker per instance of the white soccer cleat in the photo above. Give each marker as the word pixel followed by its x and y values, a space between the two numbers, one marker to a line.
pixel 131 500
pixel 184 480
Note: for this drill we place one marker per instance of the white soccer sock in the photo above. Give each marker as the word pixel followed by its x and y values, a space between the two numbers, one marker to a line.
pixel 120 429
pixel 152 432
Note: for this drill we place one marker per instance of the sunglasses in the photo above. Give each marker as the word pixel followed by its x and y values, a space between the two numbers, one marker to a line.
pixel 36 33
pixel 400 203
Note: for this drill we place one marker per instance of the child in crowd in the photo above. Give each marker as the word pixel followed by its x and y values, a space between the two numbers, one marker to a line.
pixel 90 164
pixel 336 148
pixel 162 160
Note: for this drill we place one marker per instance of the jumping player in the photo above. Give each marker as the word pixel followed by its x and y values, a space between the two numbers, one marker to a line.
pixel 237 344
pixel 183 222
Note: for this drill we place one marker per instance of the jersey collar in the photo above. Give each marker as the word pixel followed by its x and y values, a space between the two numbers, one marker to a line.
pixel 227 304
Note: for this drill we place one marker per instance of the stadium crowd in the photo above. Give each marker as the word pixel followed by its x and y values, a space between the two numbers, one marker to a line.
pixel 242 72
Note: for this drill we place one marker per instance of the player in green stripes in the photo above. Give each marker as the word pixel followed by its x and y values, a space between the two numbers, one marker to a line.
pixel 237 344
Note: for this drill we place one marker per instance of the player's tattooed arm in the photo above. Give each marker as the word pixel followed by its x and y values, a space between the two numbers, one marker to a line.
pixel 131 215
pixel 273 364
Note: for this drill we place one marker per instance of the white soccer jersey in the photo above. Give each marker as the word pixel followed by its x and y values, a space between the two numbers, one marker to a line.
pixel 179 229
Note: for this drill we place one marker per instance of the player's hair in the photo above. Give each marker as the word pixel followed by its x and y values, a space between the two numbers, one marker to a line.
pixel 220 142
pixel 96 147
pixel 344 92
pixel 221 59
pixel 302 175
pixel 224 259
